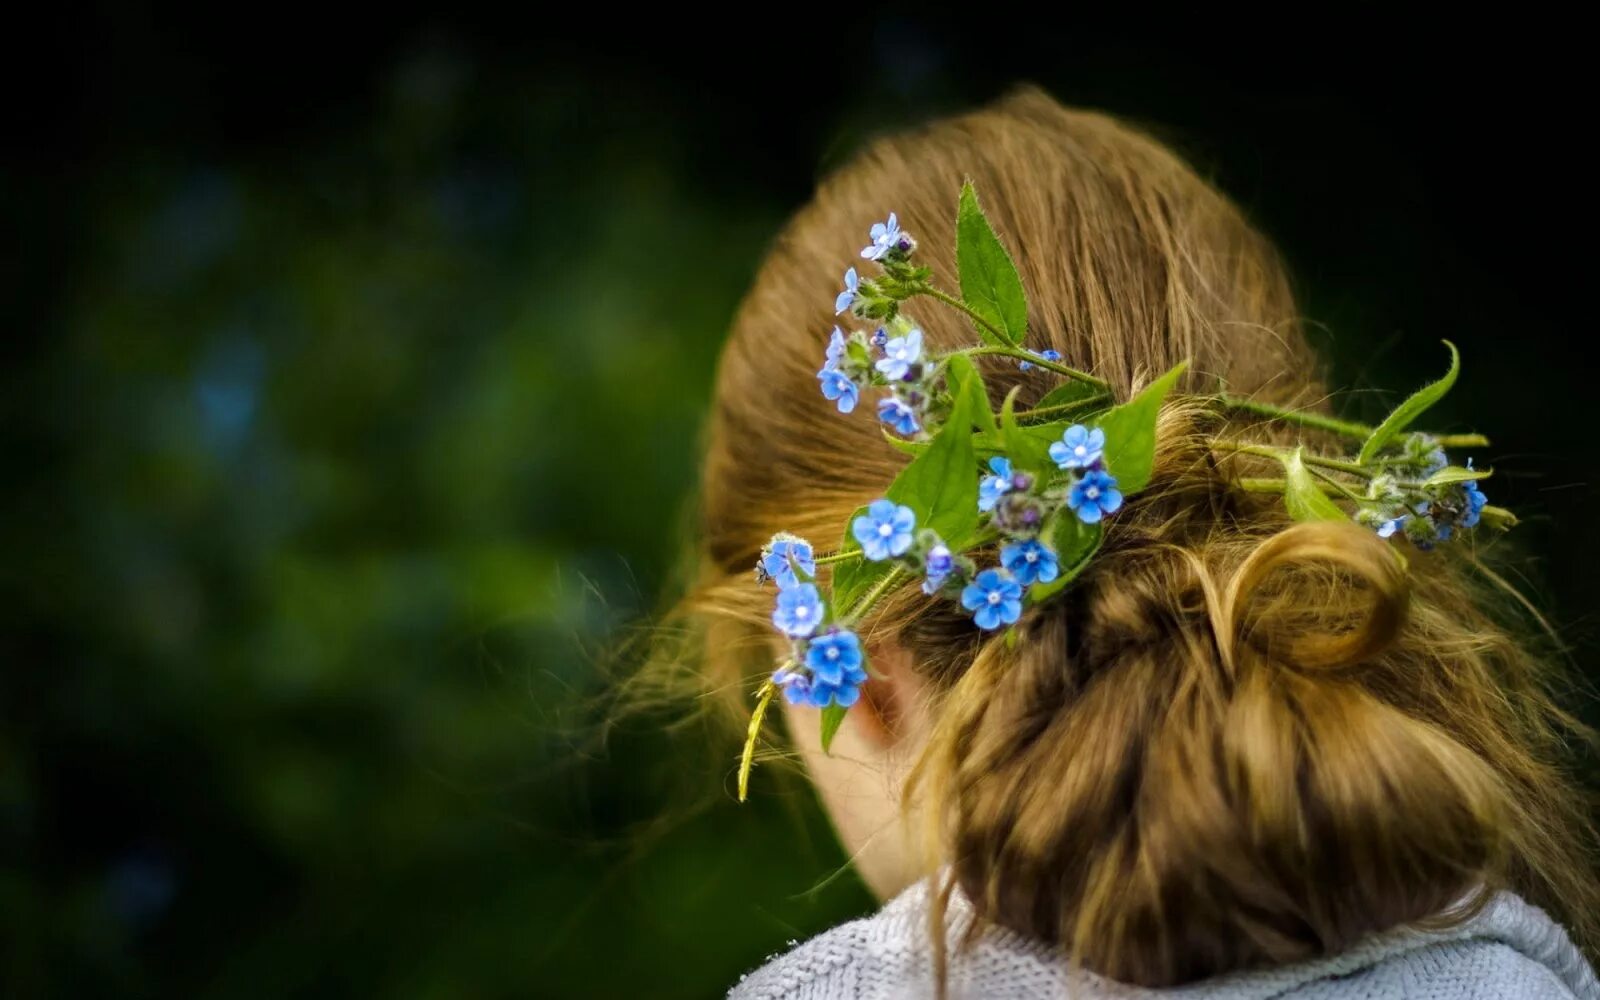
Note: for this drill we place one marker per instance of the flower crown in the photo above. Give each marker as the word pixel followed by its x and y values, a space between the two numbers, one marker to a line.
pixel 1040 482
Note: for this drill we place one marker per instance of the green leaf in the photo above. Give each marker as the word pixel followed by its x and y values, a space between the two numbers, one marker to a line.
pixel 1075 544
pixel 912 448
pixel 853 577
pixel 1071 391
pixel 832 717
pixel 1131 432
pixel 1456 474
pixel 940 484
pixel 966 386
pixel 990 285
pixel 1303 496
pixel 1028 451
pixel 1417 404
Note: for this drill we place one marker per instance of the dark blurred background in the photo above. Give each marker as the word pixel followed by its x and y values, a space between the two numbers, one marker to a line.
pixel 353 371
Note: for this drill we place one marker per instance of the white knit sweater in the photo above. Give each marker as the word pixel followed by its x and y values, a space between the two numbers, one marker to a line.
pixel 1511 949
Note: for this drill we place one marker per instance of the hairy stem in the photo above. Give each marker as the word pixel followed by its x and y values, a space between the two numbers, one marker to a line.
pixel 1300 417
pixel 873 596
pixel 1003 347
pixel 1272 451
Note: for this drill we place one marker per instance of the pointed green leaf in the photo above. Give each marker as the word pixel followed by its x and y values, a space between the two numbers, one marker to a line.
pixel 1456 474
pixel 832 718
pixel 1417 404
pixel 1029 452
pixel 1071 391
pixel 966 386
pixel 1302 494
pixel 940 484
pixel 990 285
pixel 1131 432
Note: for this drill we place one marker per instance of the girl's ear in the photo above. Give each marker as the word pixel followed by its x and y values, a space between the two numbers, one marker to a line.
pixel 890 699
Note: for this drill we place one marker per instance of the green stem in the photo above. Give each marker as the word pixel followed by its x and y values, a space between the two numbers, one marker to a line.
pixel 872 596
pixel 1300 417
pixel 1042 414
pixel 1007 350
pixel 1004 347
pixel 838 557
pixel 1462 441
pixel 1270 451
pixel 1340 487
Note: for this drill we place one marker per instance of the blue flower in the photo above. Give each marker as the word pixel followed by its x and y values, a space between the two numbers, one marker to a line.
pixel 879 337
pixel 1079 448
pixel 796 685
pixel 884 236
pixel 994 598
pixel 799 610
pixel 938 564
pixel 834 656
pixel 775 560
pixel 1030 561
pixel 898 415
pixel 1476 501
pixel 1094 496
pixel 836 348
pixel 899 354
pixel 992 488
pixel 1050 354
pixel 836 385
pixel 852 284
pixel 1392 525
pixel 884 531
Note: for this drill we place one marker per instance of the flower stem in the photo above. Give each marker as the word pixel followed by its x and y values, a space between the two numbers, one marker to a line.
pixel 1042 414
pixel 838 557
pixel 1003 346
pixel 747 758
pixel 1007 350
pixel 1300 417
pixel 872 596
pixel 1269 451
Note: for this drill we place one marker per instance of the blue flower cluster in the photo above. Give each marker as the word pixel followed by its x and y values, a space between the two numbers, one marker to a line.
pixel 826 666
pixel 1018 509
pixel 892 356
pixel 1405 502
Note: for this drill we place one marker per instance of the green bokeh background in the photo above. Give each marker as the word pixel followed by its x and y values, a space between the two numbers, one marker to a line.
pixel 352 410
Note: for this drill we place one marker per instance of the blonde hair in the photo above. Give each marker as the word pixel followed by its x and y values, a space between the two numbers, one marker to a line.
pixel 1234 740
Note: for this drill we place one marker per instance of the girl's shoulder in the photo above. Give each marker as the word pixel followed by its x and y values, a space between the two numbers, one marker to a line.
pixel 1510 949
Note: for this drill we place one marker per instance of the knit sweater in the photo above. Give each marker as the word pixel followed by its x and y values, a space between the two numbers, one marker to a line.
pixel 1510 949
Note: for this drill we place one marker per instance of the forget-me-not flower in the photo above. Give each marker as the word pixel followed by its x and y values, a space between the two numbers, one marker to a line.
pixel 884 236
pixel 796 685
pixel 775 561
pixel 899 354
pixel 799 610
pixel 938 564
pixel 1079 447
pixel 1030 561
pixel 898 414
pixel 1048 354
pixel 1094 496
pixel 884 531
pixel 994 598
pixel 841 388
pixel 837 669
pixel 992 488
pixel 836 349
pixel 1476 501
pixel 852 284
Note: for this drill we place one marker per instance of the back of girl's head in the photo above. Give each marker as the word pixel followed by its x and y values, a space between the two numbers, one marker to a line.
pixel 1234 741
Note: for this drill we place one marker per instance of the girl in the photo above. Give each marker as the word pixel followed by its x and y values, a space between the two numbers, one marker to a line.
pixel 1238 756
